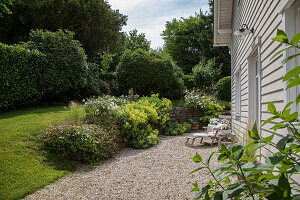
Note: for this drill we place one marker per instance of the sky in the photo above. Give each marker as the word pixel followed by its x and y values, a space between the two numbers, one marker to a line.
pixel 150 16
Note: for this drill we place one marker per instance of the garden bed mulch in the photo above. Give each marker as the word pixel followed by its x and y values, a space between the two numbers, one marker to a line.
pixel 161 172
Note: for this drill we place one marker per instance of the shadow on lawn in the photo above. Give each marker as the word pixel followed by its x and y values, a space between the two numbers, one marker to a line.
pixel 30 111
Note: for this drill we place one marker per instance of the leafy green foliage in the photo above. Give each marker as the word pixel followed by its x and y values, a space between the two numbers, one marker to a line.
pixel 66 71
pixel 79 141
pixel 240 177
pixel 189 82
pixel 4 7
pixel 223 89
pixel 20 77
pixel 210 109
pixel 175 128
pixel 96 25
pixel 148 73
pixel 190 40
pixel 136 41
pixel 138 119
pixel 205 74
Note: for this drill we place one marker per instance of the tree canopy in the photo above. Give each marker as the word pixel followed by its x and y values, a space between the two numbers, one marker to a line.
pixel 4 7
pixel 136 41
pixel 190 40
pixel 95 24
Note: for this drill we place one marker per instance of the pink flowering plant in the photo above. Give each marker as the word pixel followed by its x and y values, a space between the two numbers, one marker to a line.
pixel 80 141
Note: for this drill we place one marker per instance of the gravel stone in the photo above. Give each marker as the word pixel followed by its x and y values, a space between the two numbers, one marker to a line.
pixel 158 173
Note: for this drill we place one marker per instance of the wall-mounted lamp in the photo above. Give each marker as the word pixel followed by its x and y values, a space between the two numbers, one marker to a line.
pixel 244 30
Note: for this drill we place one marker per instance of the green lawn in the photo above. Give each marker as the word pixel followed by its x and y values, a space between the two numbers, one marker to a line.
pixel 23 166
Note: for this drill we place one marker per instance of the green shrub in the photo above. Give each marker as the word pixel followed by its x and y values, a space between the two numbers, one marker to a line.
pixel 66 72
pixel 20 76
pixel 163 106
pixel 189 82
pixel 205 74
pixel 223 89
pixel 135 121
pixel 210 109
pixel 139 119
pixel 175 128
pixel 148 73
pixel 79 141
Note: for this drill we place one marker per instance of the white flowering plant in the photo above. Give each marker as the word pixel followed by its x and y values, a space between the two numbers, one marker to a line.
pixel 193 98
pixel 103 106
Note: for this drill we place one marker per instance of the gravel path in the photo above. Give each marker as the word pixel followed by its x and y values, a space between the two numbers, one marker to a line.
pixel 161 172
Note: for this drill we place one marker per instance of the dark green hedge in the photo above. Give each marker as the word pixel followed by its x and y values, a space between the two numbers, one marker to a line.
pixel 66 73
pixel 148 73
pixel 223 89
pixel 20 76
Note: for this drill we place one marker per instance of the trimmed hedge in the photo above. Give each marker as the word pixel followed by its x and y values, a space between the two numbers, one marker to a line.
pixel 148 73
pixel 66 73
pixel 223 89
pixel 20 76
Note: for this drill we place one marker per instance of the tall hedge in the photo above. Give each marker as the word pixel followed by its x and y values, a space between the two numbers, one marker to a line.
pixel 66 73
pixel 223 89
pixel 20 75
pixel 148 73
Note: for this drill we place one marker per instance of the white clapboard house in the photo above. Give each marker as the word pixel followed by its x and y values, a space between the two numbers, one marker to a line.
pixel 256 79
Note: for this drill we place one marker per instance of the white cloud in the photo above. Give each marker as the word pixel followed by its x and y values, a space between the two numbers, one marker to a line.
pixel 150 16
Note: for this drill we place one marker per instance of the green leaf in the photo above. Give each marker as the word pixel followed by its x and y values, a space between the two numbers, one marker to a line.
pixel 289 58
pixel 197 170
pixel 269 120
pixel 218 196
pixel 282 143
pixel 254 133
pixel 280 52
pixel 197 158
pixel 273 160
pixel 272 108
pixel 295 39
pixel 202 191
pixel 292 73
pixel 268 139
pixel 281 32
pixel 284 185
pixel 234 191
pixel 196 188
pixel 292 117
pixel 298 99
pixel 209 158
pixel 293 83
pixel 281 39
pixel 279 125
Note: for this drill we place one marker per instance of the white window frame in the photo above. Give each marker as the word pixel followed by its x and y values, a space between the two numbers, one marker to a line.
pixel 237 106
pixel 254 56
pixel 291 24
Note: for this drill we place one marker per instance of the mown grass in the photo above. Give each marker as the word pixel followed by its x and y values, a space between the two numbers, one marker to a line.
pixel 24 167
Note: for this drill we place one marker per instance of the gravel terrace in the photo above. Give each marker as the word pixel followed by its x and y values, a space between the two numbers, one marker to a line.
pixel 161 172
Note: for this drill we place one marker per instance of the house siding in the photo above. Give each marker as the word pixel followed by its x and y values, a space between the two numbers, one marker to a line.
pixel 264 17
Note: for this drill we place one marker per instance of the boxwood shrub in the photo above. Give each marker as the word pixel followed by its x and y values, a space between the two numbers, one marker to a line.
pixel 20 76
pixel 148 73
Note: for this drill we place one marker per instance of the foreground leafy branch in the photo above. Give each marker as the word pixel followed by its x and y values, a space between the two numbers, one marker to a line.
pixel 239 175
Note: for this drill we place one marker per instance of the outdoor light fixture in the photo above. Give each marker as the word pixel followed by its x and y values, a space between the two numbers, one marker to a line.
pixel 243 31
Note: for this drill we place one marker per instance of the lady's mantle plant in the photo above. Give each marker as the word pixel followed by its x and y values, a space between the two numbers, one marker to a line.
pixel 240 176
